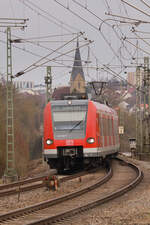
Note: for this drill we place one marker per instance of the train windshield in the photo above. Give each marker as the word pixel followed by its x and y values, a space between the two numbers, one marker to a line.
pixel 69 121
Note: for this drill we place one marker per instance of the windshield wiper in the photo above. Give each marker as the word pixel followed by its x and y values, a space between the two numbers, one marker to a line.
pixel 81 121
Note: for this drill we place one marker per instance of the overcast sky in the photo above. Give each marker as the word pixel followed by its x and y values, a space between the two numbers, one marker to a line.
pixel 46 18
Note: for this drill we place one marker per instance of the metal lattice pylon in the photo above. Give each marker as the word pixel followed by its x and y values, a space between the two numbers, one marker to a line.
pixel 146 133
pixel 139 113
pixel 10 158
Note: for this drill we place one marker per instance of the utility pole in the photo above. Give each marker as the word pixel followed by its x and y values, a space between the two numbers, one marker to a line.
pixel 146 135
pixel 139 114
pixel 48 82
pixel 10 160
pixel 10 171
pixel 121 115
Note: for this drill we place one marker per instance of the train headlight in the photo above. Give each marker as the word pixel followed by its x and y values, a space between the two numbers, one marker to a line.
pixel 90 140
pixel 69 102
pixel 49 142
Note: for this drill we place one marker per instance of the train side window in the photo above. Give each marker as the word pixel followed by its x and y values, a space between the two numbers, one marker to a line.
pixel 111 126
pixel 101 130
pixel 105 128
pixel 110 132
pixel 115 128
pixel 107 125
pixel 109 129
pixel 117 132
pixel 101 126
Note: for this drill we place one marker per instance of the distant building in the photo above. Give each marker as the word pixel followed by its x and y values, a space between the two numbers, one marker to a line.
pixel 77 80
pixel 60 92
pixel 131 78
pixel 29 87
pixel 24 84
pixel 123 105
pixel 39 88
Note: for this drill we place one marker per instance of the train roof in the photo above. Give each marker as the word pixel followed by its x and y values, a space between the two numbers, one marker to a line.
pixel 73 102
pixel 103 107
pixel 99 106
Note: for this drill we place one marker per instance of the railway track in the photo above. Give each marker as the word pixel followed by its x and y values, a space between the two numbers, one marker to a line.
pixel 61 216
pixel 37 182
pixel 23 185
pixel 35 208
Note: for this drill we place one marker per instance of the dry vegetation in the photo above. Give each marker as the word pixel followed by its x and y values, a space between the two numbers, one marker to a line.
pixel 28 113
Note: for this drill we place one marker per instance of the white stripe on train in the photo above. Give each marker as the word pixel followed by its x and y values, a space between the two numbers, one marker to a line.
pixel 88 152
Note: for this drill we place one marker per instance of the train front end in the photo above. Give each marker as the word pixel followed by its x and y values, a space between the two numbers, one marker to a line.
pixel 64 133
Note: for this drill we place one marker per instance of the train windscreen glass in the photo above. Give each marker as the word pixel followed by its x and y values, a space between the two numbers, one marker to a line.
pixel 69 122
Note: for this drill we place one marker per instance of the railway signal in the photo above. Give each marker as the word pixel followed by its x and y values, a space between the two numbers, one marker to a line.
pixel 48 82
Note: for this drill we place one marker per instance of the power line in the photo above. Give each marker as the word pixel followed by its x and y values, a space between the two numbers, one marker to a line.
pixel 134 7
pixel 38 45
pixel 58 23
pixel 19 39
pixel 49 36
pixel 120 37
pixel 34 66
pixel 32 53
pixel 136 46
pixel 39 56
pixel 144 32
pixel 118 76
pixel 105 21
pixel 107 5
pixel 109 44
pixel 145 3
pixel 128 18
pixel 141 39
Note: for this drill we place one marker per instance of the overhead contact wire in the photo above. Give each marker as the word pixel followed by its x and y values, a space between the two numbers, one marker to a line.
pixel 92 26
pixel 134 7
pixel 104 21
pixel 58 23
pixel 54 51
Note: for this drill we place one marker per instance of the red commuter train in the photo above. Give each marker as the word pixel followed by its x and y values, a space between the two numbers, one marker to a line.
pixel 78 133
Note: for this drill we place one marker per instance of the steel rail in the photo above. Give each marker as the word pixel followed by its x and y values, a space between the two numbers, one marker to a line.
pixel 26 181
pixel 18 189
pixel 48 203
pixel 77 210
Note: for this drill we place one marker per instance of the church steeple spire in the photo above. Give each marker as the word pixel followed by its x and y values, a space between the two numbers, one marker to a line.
pixel 77 79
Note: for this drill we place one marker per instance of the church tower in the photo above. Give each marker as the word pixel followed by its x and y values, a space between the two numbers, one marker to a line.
pixel 77 80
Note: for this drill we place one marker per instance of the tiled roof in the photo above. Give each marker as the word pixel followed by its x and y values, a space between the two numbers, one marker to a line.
pixel 60 92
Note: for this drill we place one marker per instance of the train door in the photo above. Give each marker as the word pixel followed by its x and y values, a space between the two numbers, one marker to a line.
pixel 110 130
pixel 101 128
pixel 105 129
